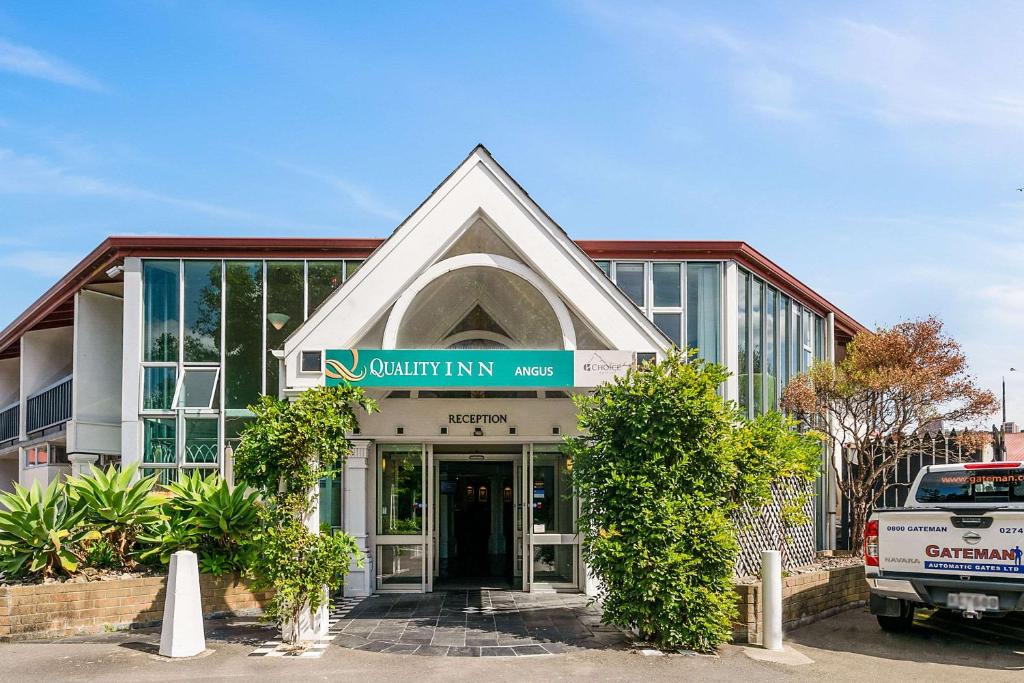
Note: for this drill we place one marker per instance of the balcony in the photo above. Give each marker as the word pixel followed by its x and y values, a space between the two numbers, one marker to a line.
pixel 49 407
pixel 9 419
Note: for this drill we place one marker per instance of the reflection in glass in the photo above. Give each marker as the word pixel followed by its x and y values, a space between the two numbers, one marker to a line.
pixel 324 278
pixel 400 497
pixel 330 501
pixel 552 493
pixel 671 324
pixel 158 440
pixel 158 387
pixel 165 475
pixel 202 311
pixel 554 563
pixel 769 349
pixel 630 279
pixel 704 308
pixel 201 441
pixel 284 311
pixel 399 565
pixel 243 331
pixel 756 357
pixel 742 328
pixel 160 311
pixel 666 285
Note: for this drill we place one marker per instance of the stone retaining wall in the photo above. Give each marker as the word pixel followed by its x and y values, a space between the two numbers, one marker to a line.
pixel 805 598
pixel 59 609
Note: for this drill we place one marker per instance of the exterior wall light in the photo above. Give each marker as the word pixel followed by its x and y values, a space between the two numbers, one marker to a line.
pixel 556 430
pixel 278 320
pixel 444 431
pixel 399 431
pixel 477 431
pixel 512 431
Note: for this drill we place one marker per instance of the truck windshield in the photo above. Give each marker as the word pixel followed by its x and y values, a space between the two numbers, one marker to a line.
pixel 977 486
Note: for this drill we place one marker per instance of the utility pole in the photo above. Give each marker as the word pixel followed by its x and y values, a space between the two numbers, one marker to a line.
pixel 1004 394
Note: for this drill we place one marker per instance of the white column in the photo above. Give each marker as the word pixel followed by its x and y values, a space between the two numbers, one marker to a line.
pixel 771 599
pixel 80 463
pixel 182 633
pixel 360 581
pixel 131 440
pixel 730 331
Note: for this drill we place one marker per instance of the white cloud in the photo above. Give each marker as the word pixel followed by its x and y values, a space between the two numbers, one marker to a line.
pixel 40 262
pixel 21 174
pixel 360 197
pixel 26 61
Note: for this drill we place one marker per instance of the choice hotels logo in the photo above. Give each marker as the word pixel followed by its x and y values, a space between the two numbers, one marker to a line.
pixel 335 369
pixel 598 364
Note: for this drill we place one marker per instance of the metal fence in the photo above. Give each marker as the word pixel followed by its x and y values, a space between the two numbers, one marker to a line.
pixel 935 448
pixel 49 407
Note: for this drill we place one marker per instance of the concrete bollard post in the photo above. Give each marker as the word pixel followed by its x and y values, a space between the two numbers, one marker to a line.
pixel 182 633
pixel 771 599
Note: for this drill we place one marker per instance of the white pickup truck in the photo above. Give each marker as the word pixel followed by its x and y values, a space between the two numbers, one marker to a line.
pixel 957 545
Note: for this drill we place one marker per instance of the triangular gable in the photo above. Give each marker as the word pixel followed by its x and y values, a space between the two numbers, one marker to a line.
pixel 479 187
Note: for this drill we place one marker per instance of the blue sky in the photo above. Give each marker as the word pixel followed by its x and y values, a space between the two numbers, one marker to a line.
pixel 872 149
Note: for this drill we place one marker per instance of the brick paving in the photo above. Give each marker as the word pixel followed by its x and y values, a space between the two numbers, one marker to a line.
pixel 485 623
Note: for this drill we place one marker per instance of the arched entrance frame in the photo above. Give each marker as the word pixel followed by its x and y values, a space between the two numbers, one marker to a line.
pixel 504 263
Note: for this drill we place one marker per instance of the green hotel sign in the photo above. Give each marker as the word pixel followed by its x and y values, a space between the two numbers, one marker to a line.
pixel 430 368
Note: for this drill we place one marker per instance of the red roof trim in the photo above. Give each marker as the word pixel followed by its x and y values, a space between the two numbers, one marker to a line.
pixel 114 249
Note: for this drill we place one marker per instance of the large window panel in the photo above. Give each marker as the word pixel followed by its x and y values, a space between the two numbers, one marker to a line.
pixel 667 281
pixel 552 493
pixel 672 325
pixel 158 387
pixel 630 279
pixel 400 490
pixel 784 340
pixel 202 311
pixel 324 278
pixel 159 444
pixel 743 338
pixel 704 308
pixel 756 347
pixel 243 332
pixel 768 383
pixel 284 311
pixel 201 441
pixel 160 292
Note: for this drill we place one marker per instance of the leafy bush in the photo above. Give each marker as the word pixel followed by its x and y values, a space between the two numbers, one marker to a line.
pixel 42 531
pixel 207 515
pixel 663 466
pixel 100 554
pixel 284 454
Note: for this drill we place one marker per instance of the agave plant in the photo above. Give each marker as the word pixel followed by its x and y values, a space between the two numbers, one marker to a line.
pixel 119 506
pixel 41 531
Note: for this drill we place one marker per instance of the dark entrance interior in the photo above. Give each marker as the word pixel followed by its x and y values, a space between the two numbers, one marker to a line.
pixel 474 521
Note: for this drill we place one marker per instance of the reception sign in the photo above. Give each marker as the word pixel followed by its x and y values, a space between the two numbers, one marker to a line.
pixel 447 368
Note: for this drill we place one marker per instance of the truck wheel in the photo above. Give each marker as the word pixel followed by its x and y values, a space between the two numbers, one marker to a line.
pixel 898 624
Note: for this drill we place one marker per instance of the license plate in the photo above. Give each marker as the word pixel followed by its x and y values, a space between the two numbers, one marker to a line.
pixel 972 602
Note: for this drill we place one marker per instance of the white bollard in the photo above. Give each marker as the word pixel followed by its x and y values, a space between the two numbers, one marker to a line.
pixel 182 633
pixel 771 599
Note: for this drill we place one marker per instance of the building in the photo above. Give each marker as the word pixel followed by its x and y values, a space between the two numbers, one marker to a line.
pixel 473 323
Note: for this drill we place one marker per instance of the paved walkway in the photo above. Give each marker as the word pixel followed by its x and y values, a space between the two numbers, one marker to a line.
pixel 486 623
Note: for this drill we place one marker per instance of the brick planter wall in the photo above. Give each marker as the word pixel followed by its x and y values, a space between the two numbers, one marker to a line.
pixel 59 609
pixel 805 598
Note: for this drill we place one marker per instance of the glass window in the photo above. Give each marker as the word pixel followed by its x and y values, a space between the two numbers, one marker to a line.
pixel 201 441
pixel 399 565
pixel 284 311
pixel 159 440
pixel 807 325
pixel 311 361
pixel 165 475
pixel 972 487
pixel 757 359
pixel 667 285
pixel 819 338
pixel 605 266
pixel 704 309
pixel 797 335
pixel 160 310
pixel 351 267
pixel 243 331
pixel 198 388
pixel 324 278
pixel 784 336
pixel 672 325
pixel 742 329
pixel 552 494
pixel 330 501
pixel 769 348
pixel 400 490
pixel 36 455
pixel 554 563
pixel 158 385
pixel 234 425
pixel 202 311
pixel 630 279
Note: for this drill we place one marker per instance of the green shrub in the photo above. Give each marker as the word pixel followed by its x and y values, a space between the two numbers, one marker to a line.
pixel 654 475
pixel 100 554
pixel 42 531
pixel 205 514
pixel 118 506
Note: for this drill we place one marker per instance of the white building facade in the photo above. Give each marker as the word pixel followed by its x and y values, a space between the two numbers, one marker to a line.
pixel 473 325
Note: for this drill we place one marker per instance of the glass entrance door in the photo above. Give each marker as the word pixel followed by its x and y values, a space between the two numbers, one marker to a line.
pixel 552 546
pixel 402 539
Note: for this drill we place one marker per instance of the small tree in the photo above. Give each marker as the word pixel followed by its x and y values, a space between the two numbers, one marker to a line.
pixel 284 454
pixel 873 403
